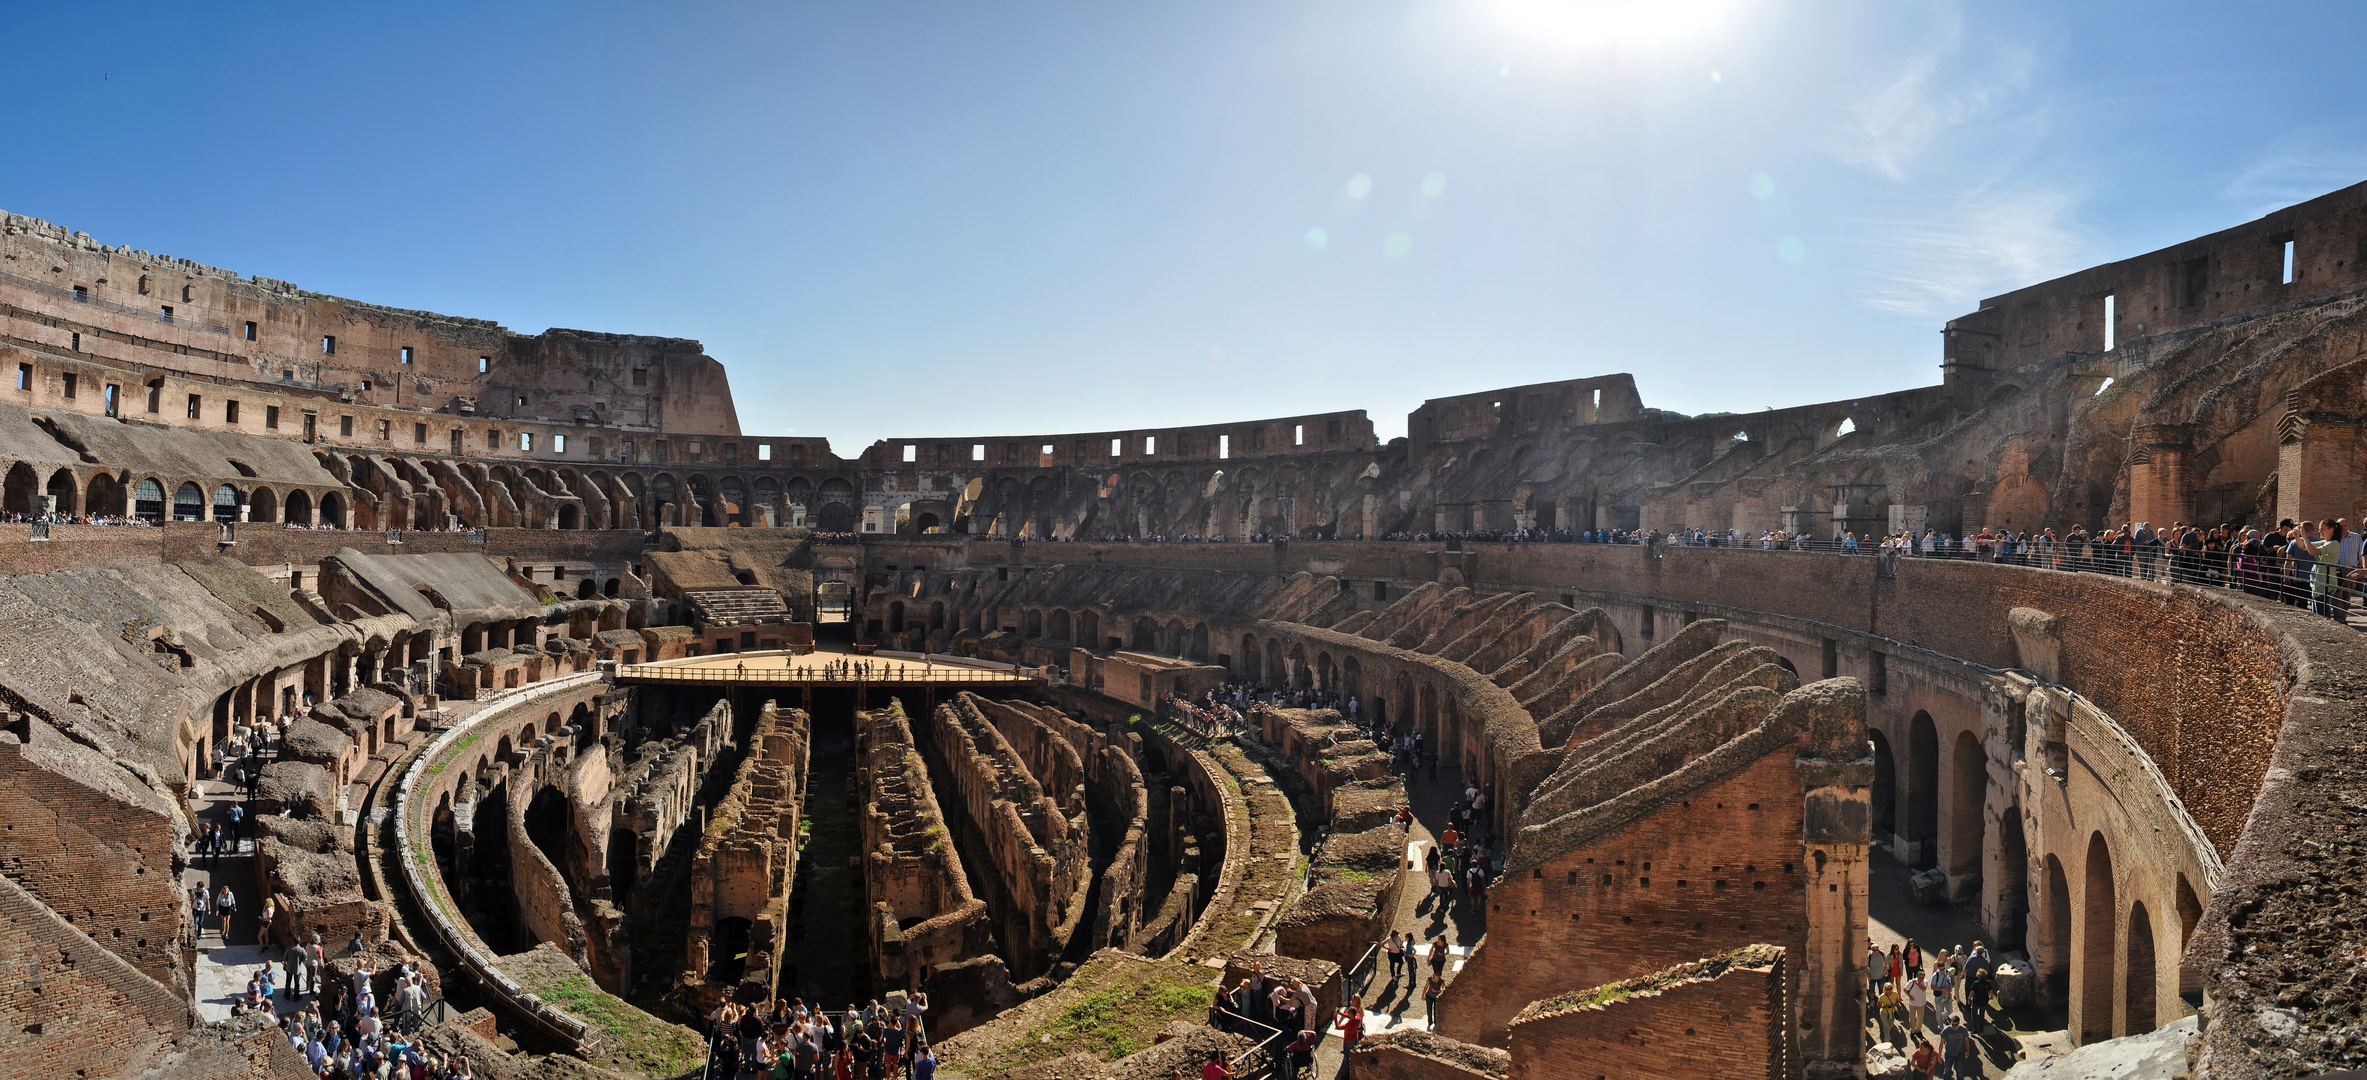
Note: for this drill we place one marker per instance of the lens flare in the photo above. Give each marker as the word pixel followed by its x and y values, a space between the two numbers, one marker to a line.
pixel 1791 249
pixel 1434 185
pixel 1398 246
pixel 1359 186
pixel 1317 239
pixel 1762 186
pixel 1611 22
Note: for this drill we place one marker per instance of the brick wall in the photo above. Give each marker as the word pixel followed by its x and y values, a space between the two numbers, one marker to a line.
pixel 70 1007
pixel 1723 872
pixel 1721 1019
pixel 96 847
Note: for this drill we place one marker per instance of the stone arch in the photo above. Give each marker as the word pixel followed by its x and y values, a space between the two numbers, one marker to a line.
pixel 1146 635
pixel 148 501
pixel 1089 629
pixel 104 495
pixel 1198 649
pixel 1969 784
pixel 1302 676
pixel 2190 912
pixel 937 618
pixel 262 505
pixel 570 517
pixel 1250 663
pixel 1351 677
pixel 333 509
pixel 1885 797
pixel 1923 788
pixel 226 504
pixel 299 507
pixel 188 502
pixel 17 491
pixel 61 488
pixel 2054 933
pixel 2141 987
pixel 1031 624
pixel 1058 626
pixel 2099 913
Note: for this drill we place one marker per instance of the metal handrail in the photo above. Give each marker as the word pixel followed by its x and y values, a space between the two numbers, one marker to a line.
pixel 773 675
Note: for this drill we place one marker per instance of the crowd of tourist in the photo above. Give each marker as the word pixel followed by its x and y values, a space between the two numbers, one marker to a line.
pixel 342 1030
pixel 784 1040
pixel 1933 1016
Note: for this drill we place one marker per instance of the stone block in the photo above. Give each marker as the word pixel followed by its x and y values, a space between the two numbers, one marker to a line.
pixel 1930 887
pixel 2015 979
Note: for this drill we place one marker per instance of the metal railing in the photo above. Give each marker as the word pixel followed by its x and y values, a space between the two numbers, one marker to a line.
pixel 819 676
pixel 1260 1059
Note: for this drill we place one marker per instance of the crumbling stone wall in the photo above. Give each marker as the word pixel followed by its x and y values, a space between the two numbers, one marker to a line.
pixel 1114 794
pixel 97 847
pixel 922 912
pixel 1723 1016
pixel 748 855
pixel 1037 850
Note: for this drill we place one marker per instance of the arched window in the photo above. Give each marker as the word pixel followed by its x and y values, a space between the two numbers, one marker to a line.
pixel 149 500
pixel 189 503
pixel 225 503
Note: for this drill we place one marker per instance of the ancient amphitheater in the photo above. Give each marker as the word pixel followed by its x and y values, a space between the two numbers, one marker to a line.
pixel 522 668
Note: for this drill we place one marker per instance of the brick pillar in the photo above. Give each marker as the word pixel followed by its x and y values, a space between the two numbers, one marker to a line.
pixel 2314 475
pixel 1836 827
pixel 2160 489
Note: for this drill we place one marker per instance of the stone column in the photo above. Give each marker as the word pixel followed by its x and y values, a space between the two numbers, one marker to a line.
pixel 2314 476
pixel 1836 773
pixel 2160 491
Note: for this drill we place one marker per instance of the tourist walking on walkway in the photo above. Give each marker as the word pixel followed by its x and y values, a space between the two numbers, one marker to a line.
pixel 1430 992
pixel 225 906
pixel 1956 1052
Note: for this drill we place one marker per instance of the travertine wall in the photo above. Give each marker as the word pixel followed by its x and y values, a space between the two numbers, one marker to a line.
pixel 96 847
pixel 747 856
pixel 1719 1018
pixel 1038 852
pixel 922 911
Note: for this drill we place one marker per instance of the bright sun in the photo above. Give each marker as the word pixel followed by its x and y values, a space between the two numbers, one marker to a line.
pixel 1611 22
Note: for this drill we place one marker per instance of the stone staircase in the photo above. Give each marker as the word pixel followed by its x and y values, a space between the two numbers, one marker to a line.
pixel 734 607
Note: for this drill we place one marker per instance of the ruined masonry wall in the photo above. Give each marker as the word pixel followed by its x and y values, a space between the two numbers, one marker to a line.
pixel 1038 853
pixel 1712 876
pixel 922 911
pixel 1725 1025
pixel 748 854
pixel 95 847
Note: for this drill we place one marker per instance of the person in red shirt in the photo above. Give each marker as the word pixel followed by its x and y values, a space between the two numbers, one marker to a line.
pixel 1214 1067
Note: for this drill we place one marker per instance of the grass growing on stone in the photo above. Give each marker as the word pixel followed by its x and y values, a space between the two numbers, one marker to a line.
pixel 1118 1018
pixel 634 1038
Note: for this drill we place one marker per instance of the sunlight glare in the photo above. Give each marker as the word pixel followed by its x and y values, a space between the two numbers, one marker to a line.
pixel 1611 22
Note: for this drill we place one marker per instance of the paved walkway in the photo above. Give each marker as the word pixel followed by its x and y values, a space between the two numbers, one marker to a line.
pixel 226 961
pixel 1395 1003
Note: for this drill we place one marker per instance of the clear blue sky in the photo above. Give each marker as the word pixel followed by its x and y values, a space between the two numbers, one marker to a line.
pixel 898 219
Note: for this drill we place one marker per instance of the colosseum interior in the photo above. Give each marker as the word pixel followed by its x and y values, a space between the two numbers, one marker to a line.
pixel 523 668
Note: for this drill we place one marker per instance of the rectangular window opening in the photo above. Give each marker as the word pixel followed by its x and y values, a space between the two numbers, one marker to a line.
pixel 455 440
pixel 641 376
pixel 525 440
pixel 406 354
pixel 419 434
pixel 977 451
pixel 1117 447
pixel 71 379
pixel 911 453
pixel 250 331
pixel 558 444
pixel 164 313
pixel 78 341
pixel 82 296
pixel 196 406
pixel 1224 446
pixel 328 345
pixel 1298 435
pixel 484 364
pixel 345 427
pixel 764 451
pixel 493 439
pixel 1150 445
pixel 385 429
pixel 271 417
pixel 2111 309
pixel 230 411
pixel 24 376
pixel 2288 280
pixel 113 397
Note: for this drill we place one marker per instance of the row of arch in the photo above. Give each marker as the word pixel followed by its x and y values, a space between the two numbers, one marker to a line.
pixel 158 499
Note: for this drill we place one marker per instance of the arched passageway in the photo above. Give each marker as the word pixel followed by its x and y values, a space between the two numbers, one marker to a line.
pixel 2099 912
